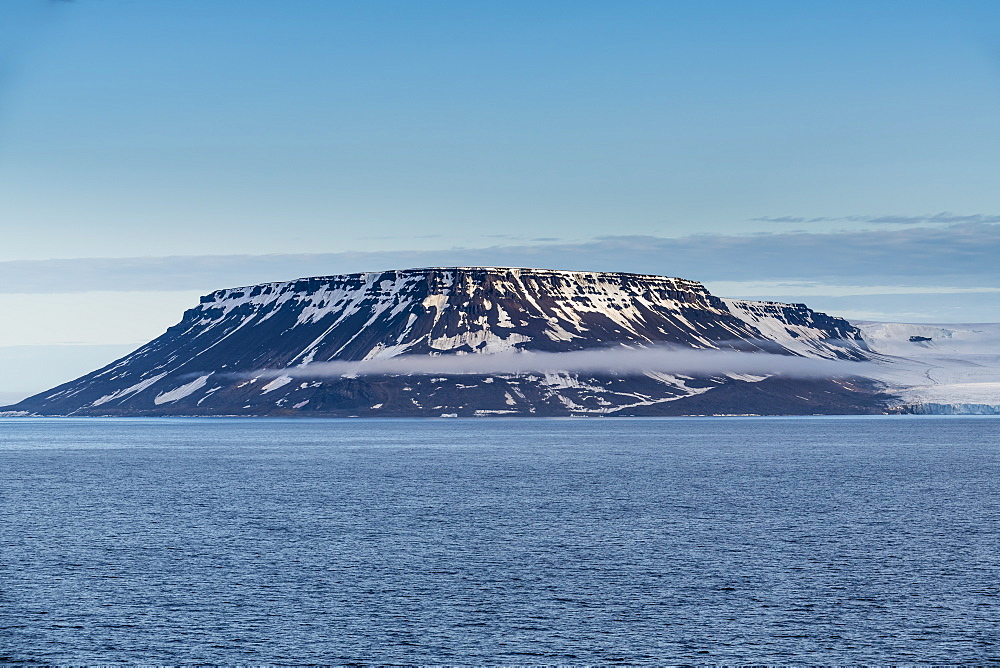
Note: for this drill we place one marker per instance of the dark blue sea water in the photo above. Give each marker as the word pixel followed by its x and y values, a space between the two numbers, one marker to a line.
pixel 757 540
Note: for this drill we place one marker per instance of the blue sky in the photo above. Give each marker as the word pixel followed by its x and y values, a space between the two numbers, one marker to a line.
pixel 843 154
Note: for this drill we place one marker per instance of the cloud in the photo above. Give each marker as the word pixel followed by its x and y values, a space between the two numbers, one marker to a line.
pixel 939 218
pixel 961 255
pixel 788 219
pixel 621 361
pixel 943 218
pixel 812 289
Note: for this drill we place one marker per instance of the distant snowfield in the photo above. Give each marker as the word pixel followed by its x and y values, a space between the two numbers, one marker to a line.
pixel 959 364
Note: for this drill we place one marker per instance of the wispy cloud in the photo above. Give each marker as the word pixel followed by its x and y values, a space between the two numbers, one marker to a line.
pixel 961 255
pixel 621 361
pixel 812 289
pixel 943 218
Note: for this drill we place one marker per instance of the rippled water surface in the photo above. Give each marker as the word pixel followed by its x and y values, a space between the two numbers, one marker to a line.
pixel 756 540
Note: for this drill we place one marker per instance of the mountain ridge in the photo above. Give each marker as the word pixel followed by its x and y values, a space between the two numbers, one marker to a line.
pixel 205 364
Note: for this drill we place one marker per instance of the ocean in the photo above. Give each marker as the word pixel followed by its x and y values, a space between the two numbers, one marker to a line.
pixel 757 540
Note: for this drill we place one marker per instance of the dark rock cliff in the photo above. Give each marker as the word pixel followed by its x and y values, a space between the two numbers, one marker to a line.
pixel 247 351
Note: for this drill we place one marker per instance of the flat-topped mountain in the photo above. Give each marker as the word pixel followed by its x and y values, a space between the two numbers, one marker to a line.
pixel 267 349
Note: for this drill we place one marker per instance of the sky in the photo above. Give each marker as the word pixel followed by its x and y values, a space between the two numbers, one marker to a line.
pixel 845 155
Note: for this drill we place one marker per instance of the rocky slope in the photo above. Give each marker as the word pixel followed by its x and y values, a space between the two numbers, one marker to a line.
pixel 267 349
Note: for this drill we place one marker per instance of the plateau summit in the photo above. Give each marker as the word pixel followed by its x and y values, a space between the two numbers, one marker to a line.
pixel 482 341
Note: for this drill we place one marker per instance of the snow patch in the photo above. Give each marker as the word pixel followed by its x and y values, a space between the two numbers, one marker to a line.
pixel 134 389
pixel 437 301
pixel 179 393
pixel 482 341
pixel 278 382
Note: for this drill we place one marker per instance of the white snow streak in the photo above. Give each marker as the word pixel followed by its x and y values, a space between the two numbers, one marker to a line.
pixel 134 389
pixel 180 392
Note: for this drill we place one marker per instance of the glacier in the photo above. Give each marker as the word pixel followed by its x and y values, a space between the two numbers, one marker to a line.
pixel 949 369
